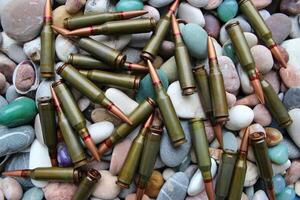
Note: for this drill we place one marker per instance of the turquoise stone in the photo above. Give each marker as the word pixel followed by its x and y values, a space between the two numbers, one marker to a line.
pixel 287 194
pixel 146 88
pixel 125 5
pixel 227 10
pixel 195 38
pixel 228 51
pixel 279 183
pixel 33 194
pixel 19 112
pixel 278 154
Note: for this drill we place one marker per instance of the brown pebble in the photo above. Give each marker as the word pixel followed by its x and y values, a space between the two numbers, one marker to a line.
pixel 7 67
pixel 273 136
pixel 290 76
pixel 60 13
pixel 291 7
pixel 212 26
pixel 293 173
pixel 133 197
pixel 155 183
pixel 25 77
pixel 250 100
pixel 262 115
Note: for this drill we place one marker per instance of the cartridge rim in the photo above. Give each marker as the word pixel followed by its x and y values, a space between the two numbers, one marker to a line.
pixel 120 60
pixel 44 99
pixel 242 2
pixel 122 184
pixel 94 174
pixel 198 67
pixel 70 58
pixel 80 163
pixel 137 82
pixel 197 119
pixel 147 56
pixel 47 74
pixel 66 23
pixel 61 68
pixel 188 90
pixel 231 24
pixel 179 142
pixel 151 101
pixel 286 123
pixel 257 136
pixel 57 83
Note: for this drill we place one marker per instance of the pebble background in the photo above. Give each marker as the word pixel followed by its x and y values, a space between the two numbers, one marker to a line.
pixel 176 175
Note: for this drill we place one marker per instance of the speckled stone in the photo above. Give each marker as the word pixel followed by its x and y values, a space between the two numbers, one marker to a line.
pixel 273 136
pixel 262 115
pixel 291 98
pixel 293 150
pixel 212 26
pixel 230 75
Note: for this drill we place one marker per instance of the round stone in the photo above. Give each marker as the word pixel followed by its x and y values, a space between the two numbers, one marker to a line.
pixel 54 191
pixel 294 128
pixel 73 6
pixel 290 76
pixel 23 19
pixel 154 185
pixel 227 10
pixel 212 26
pixel 279 183
pixel 60 13
pixel 273 78
pixel 294 151
pixel 280 26
pixel 260 195
pixel 64 47
pixel 25 77
pixel 287 193
pixel 295 29
pixel 291 98
pixel 262 115
pixel 98 6
pixel 229 142
pixel 278 154
pixel 212 4
pixel 7 67
pixel 198 3
pixel 126 5
pixel 252 174
pixel 273 136
pixel 191 14
pixel 230 75
pixel 293 173
pixel 292 47
pixel 263 58
pixel 239 117
pixel 251 39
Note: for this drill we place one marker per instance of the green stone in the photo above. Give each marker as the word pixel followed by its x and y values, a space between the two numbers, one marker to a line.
pixel 278 154
pixel 227 10
pixel 19 112
pixel 126 5
pixel 228 51
pixel 287 194
pixel 146 88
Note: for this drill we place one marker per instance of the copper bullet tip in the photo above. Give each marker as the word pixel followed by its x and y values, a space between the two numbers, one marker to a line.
pixel 175 26
pixel 48 11
pixel 55 100
pixel 149 121
pixel 86 31
pixel 153 74
pixel 209 188
pixel 174 6
pixel 218 133
pixel 245 139
pixel 211 49
pixel 258 90
pixel 60 30
pixel 92 148
pixel 132 14
pixel 17 173
pixel 119 113
pixel 102 149
pixel 278 56
pixel 53 162
pixel 135 67
pixel 140 193
pixel 271 193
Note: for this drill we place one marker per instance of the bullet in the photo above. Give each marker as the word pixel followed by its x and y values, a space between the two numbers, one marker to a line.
pixel 240 168
pixel 216 84
pixel 74 115
pixel 245 57
pixel 87 62
pixel 71 140
pixel 151 48
pixel 167 110
pixel 217 126
pixel 113 79
pixel 225 174
pixel 89 89
pixel 65 174
pixel 97 19
pixel 200 145
pixel 131 163
pixel 274 104
pixel 139 115
pixel 48 125
pixel 261 29
pixel 47 44
pixel 183 62
pixel 201 78
pixel 87 185
pixel 132 26
pixel 260 149
pixel 149 154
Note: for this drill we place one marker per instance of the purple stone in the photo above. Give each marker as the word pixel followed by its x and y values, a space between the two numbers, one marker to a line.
pixel 63 157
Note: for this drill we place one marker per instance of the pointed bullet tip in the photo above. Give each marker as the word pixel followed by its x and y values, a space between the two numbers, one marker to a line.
pixel 119 113
pixel 60 30
pixel 218 132
pixel 278 56
pixel 92 148
pixel 209 188
pixel 258 90
pixel 103 148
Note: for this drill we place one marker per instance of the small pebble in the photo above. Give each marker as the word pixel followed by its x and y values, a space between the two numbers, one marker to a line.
pixel 278 154
pixel 294 151
pixel 64 191
pixel 278 169
pixel 238 121
pixel 191 14
pixel 260 195
pixel 291 98
pixel 33 194
pixel 279 183
pixel 259 4
pixel 293 129
pixel 252 174
pixel 273 136
pixel 11 188
pixel 262 115
pixel 126 5
pixel 25 77
pixel 212 26
pixel 227 10
pixel 263 58
pixel 287 194
pixel 293 173
pixel 154 185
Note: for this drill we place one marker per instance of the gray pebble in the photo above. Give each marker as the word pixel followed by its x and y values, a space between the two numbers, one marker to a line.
pixel 174 156
pixel 291 99
pixel 11 94
pixel 175 187
pixel 184 164
pixel 16 53
pixel 293 150
pixel 13 140
pixel 3 101
pixel 33 194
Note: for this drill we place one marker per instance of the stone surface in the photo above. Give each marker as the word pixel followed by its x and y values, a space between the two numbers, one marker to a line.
pixel 245 82
pixel 7 67
pixel 277 169
pixel 11 188
pixel 60 13
pixel 278 154
pixel 101 114
pixel 175 187
pixel 292 48
pixel 192 108
pixel 250 100
pixel 290 76
pixel 293 173
pixel 129 5
pixel 106 188
pixel 64 191
pixel 191 14
pixel 263 58
pixel 280 26
pixel 33 194
pixel 260 195
pixel 100 131
pixel 212 26
pixel 73 6
pixel 259 4
pixel 154 185
pixel 293 150
pixel 291 98
pixel 19 27
pixel 252 174
pixel 24 77
pixel 133 197
pixel 287 193
pixel 32 49
pixel 273 136
pixel 196 184
pixel 227 10
pixel 230 75
pixel 64 47
pixel 279 183
pixel 118 156
pixel 238 121
pixel 229 142
pixel 96 6
pixel 293 129
pixel 290 7
pixel 273 78
pixel 174 156
pixel 262 115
